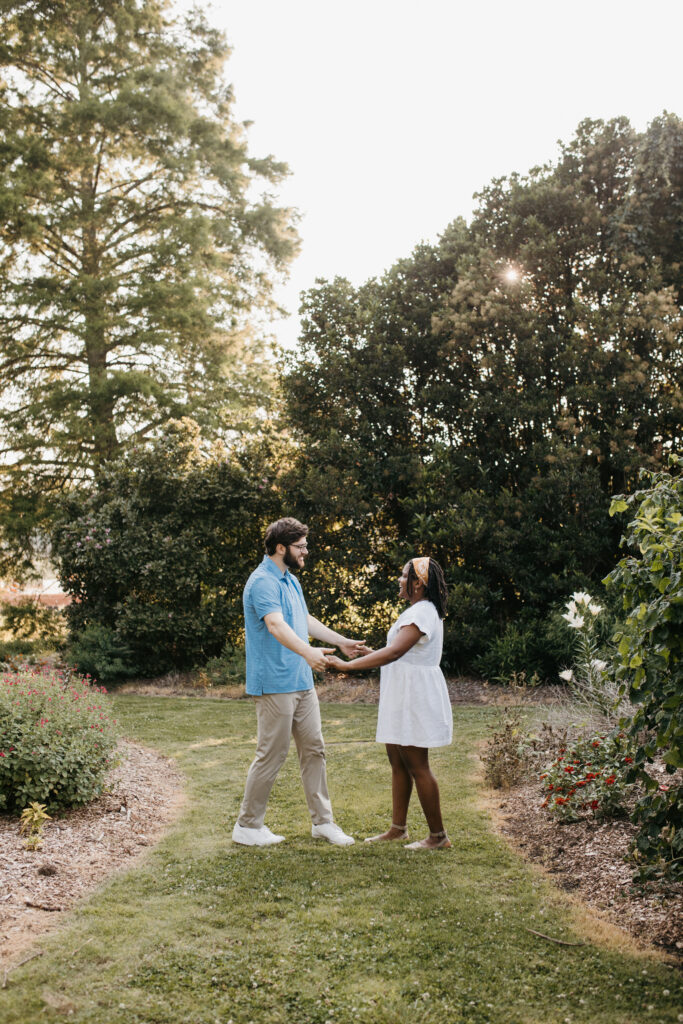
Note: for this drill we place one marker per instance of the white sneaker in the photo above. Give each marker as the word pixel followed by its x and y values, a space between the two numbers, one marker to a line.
pixel 328 830
pixel 255 836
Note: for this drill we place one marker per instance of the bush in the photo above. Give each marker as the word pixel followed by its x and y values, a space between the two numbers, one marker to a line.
pixel 504 755
pixel 228 669
pixel 157 553
pixel 589 776
pixel 56 740
pixel 29 627
pixel 650 659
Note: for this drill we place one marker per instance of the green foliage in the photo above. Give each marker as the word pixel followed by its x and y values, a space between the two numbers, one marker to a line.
pixel 140 240
pixel 32 625
pixel 650 656
pixel 590 776
pixel 57 739
pixel 226 670
pixel 157 554
pixel 33 819
pixel 448 409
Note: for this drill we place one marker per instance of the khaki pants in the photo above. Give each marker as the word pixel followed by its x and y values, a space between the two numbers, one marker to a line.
pixel 281 716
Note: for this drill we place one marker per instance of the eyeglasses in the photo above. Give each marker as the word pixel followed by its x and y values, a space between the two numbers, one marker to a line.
pixel 303 548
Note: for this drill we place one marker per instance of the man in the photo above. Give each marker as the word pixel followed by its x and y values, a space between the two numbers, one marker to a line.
pixel 280 661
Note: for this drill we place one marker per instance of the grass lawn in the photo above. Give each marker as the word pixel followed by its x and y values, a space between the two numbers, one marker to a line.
pixel 304 932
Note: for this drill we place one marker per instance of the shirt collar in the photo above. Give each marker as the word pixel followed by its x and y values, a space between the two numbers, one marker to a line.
pixel 273 568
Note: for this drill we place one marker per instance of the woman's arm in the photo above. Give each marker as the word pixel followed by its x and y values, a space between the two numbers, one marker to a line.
pixel 407 638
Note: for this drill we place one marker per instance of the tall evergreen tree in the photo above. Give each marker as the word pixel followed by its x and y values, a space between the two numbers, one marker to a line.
pixel 138 237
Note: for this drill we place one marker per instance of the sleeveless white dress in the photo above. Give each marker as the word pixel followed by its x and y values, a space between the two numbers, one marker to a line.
pixel 414 707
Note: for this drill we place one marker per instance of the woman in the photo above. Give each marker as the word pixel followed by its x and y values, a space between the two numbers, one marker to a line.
pixel 414 708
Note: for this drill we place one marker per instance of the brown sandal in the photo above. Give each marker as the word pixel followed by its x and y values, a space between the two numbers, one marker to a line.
pixel 443 843
pixel 386 838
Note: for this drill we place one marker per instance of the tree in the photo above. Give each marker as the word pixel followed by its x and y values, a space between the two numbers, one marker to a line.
pixel 138 238
pixel 484 400
pixel 156 552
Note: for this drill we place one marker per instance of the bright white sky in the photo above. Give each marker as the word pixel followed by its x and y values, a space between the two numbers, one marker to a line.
pixel 392 113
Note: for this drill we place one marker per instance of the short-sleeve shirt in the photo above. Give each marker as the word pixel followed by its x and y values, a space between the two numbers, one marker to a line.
pixel 272 668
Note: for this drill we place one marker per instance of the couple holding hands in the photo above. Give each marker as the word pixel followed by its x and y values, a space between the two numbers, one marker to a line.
pixel 414 708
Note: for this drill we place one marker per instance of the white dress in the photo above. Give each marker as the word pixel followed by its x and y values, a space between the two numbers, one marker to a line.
pixel 414 707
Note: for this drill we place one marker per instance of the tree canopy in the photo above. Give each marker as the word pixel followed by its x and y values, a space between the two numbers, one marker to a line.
pixel 483 400
pixel 138 237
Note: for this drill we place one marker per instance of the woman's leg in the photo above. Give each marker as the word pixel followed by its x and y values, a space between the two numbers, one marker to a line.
pixel 416 761
pixel 401 788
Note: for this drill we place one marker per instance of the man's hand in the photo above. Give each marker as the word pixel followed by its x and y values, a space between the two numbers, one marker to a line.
pixel 316 657
pixel 336 664
pixel 353 648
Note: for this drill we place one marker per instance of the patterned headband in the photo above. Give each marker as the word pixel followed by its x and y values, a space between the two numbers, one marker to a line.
pixel 421 567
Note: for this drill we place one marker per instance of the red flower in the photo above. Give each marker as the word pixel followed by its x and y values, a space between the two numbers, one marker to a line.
pixel 561 800
pixel 594 805
pixel 610 781
pixel 628 760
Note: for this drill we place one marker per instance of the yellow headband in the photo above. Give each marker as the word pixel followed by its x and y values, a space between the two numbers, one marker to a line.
pixel 421 567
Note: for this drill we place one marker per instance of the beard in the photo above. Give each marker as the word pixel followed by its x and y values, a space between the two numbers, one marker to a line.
pixel 290 561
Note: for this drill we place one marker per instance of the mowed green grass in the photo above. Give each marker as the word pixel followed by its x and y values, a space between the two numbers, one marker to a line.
pixel 204 931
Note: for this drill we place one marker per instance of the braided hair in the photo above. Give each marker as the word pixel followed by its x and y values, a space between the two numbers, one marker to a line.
pixel 436 590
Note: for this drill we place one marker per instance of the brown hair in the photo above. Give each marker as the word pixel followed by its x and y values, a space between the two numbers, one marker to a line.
pixel 284 531
pixel 436 590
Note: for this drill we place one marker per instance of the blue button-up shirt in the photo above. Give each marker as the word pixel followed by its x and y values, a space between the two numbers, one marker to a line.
pixel 272 668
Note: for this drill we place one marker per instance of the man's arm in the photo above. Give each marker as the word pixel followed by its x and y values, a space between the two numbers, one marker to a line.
pixel 285 635
pixel 351 648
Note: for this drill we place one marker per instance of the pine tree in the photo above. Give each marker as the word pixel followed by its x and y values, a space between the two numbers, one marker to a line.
pixel 138 238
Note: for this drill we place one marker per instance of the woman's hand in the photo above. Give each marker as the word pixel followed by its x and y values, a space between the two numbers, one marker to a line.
pixel 336 664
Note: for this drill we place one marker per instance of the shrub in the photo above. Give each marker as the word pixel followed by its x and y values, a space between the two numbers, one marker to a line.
pixel 157 553
pixel 56 740
pixel 228 669
pixel 650 659
pixel 589 776
pixel 504 754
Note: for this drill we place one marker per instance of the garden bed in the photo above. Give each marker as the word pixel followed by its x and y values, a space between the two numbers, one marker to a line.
pixel 586 859
pixel 82 847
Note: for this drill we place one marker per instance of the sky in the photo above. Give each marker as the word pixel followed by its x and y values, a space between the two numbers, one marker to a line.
pixel 391 114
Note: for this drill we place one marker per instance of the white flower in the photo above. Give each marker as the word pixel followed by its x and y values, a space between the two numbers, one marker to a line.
pixel 575 621
pixel 581 598
pixel 567 675
pixel 599 665
pixel 595 608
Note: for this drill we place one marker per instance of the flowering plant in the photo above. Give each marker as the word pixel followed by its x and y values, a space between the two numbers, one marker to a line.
pixel 56 740
pixel 589 680
pixel 589 776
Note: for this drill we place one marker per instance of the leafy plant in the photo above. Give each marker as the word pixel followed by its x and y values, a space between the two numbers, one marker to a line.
pixel 57 740
pixel 33 819
pixel 650 659
pixel 590 775
pixel 504 753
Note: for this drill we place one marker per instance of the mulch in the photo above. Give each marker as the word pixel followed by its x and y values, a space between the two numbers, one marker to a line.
pixel 588 859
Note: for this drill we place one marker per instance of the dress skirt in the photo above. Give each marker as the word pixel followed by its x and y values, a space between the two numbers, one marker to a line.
pixel 414 707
